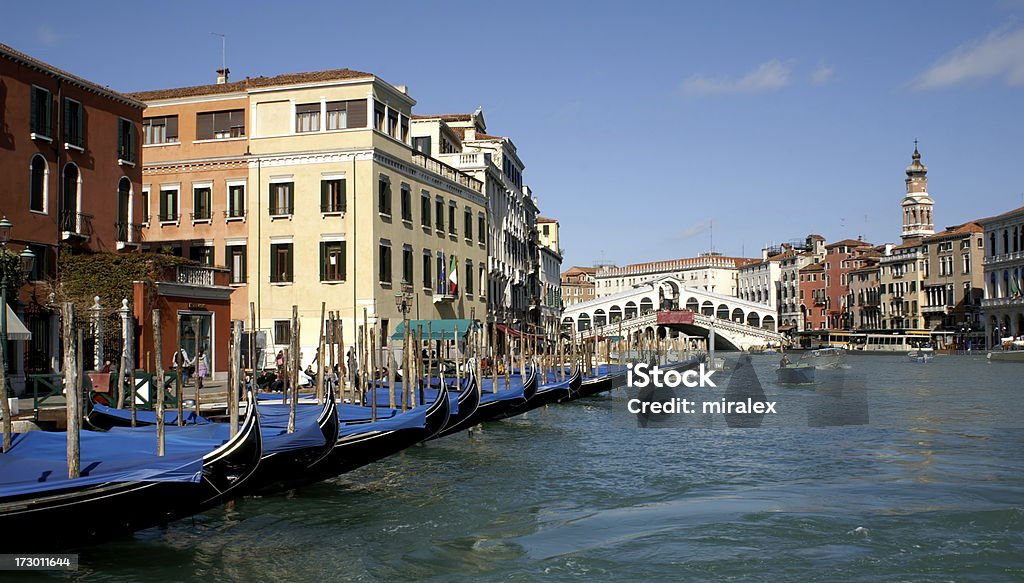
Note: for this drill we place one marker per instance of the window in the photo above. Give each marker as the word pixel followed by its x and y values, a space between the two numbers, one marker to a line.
pixel 236 262
pixel 42 113
pixel 217 125
pixel 44 266
pixel 404 128
pixel 145 205
pixel 384 195
pixel 38 184
pixel 74 124
pixel 282 332
pixel 332 195
pixel 307 117
pixel 469 276
pixel 202 254
pixel 160 130
pixel 425 209
pixel 168 204
pixel 468 224
pixel 337 115
pixel 427 259
pixel 422 144
pixel 483 280
pixel 378 116
pixel 281 198
pixel 201 203
pixel 451 218
pixel 439 214
pixel 406 203
pixel 332 261
pixel 546 230
pixel 392 123
pixel 281 262
pixel 236 200
pixel 967 261
pixel 442 283
pixel 125 140
pixel 384 271
pixel 480 228
pixel 407 264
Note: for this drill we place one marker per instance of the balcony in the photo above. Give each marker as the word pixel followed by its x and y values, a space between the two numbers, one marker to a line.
pixel 935 309
pixel 195 275
pixel 75 225
pixel 999 302
pixel 234 215
pixel 474 160
pixel 994 259
pixel 445 171
pixel 281 211
pixel 201 217
pixel 128 233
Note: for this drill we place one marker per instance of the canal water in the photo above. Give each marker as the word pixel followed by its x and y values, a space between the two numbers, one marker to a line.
pixel 931 488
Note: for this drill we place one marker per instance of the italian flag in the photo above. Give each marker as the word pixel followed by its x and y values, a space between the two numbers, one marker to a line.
pixel 453 276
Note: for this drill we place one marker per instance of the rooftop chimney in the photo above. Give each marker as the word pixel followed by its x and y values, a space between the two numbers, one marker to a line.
pixel 222 76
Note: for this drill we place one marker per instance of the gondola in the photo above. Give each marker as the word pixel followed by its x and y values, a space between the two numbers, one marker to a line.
pixel 287 457
pixel 536 398
pixel 495 404
pixel 103 417
pixel 363 442
pixel 124 486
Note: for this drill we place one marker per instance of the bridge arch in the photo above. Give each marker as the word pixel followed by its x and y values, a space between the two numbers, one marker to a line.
pixel 768 323
pixel 737 315
pixel 583 323
pixel 693 305
pixel 600 318
pixel 631 309
pixel 614 314
pixel 707 308
pixel 722 312
pixel 567 323
pixel 646 305
pixel 753 320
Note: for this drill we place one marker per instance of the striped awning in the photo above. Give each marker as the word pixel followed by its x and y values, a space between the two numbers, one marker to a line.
pixel 16 329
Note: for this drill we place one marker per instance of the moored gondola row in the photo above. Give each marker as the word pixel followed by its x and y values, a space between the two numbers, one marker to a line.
pixel 281 443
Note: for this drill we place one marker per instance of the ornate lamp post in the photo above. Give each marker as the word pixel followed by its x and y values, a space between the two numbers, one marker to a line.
pixel 27 258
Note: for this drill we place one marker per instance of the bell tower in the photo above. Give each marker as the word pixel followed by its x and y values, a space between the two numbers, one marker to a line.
pixel 917 205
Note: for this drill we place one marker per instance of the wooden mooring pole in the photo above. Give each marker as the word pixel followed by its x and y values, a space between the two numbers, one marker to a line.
pixel 71 389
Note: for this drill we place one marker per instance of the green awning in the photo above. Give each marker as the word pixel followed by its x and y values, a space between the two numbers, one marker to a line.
pixel 435 329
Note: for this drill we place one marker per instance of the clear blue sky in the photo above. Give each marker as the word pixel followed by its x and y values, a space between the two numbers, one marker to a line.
pixel 639 122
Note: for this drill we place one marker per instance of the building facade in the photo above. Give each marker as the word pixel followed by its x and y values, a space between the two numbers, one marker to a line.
pixel 955 281
pixel 338 205
pixel 901 285
pixel 710 272
pixel 70 182
pixel 578 285
pixel 864 295
pixel 813 297
pixel 1003 304
pixel 841 258
pixel 791 261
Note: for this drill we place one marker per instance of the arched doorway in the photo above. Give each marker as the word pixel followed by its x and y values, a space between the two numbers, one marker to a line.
pixel 69 198
pixel 768 323
pixel 737 315
pixel 124 205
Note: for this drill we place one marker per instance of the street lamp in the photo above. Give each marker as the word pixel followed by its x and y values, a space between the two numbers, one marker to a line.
pixel 27 258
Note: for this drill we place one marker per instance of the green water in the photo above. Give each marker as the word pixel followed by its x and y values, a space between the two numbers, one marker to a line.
pixel 931 490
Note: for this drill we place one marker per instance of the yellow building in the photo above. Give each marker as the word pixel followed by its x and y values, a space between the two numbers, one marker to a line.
pixel 340 207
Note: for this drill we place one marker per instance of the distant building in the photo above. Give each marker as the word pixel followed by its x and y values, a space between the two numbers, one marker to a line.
pixel 917 204
pixel 550 288
pixel 864 296
pixel 547 231
pixel 791 261
pixel 711 272
pixel 1003 304
pixel 841 258
pixel 578 285
pixel 954 282
pixel 901 285
pixel 813 297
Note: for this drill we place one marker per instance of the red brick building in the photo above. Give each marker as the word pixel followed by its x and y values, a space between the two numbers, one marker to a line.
pixel 841 258
pixel 813 299
pixel 70 174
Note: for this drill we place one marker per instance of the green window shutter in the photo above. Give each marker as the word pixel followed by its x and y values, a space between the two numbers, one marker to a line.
pixel 120 139
pixel 291 263
pixel 323 260
pixel 344 199
pixel 34 119
pixel 273 263
pixel 323 207
pixel 67 120
pixel 343 259
pixel 80 136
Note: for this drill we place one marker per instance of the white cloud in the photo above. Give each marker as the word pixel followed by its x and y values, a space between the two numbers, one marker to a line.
pixel 46 35
pixel 768 76
pixel 823 74
pixel 693 230
pixel 1000 54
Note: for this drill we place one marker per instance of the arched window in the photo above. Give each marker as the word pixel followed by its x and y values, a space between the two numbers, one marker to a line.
pixel 38 184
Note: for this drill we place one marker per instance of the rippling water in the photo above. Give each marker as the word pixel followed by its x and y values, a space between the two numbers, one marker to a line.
pixel 567 493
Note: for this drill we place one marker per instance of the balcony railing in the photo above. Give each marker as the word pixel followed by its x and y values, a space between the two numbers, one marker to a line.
pixel 440 168
pixel 997 302
pixel 202 216
pixel 281 211
pixel 193 275
pixel 76 224
pixel 934 309
pixel 168 217
pixel 234 214
pixel 332 207
pixel 1015 256
pixel 128 232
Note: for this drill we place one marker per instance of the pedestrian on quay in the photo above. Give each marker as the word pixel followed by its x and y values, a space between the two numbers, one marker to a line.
pixel 181 358
pixel 202 369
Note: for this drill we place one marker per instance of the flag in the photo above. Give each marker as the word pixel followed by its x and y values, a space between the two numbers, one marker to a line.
pixel 508 294
pixel 442 278
pixel 453 276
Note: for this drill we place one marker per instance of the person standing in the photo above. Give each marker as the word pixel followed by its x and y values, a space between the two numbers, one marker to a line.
pixel 202 369
pixel 181 358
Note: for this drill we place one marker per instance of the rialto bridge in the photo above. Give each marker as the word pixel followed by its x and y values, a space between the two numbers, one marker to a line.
pixel 738 324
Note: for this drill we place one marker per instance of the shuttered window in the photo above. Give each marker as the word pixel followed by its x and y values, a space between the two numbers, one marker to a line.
pixel 384 254
pixel 281 263
pixel 41 113
pixel 425 209
pixel 332 261
pixel 384 195
pixel 406 203
pixel 427 260
pixel 160 130
pixel 307 117
pixel 281 198
pixel 407 264
pixel 332 195
pixel 212 125
pixel 126 148
pixel 74 123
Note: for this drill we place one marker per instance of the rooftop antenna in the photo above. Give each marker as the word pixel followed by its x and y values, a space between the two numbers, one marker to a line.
pixel 223 50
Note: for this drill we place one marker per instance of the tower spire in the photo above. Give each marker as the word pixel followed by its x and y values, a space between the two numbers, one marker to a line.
pixel 917 205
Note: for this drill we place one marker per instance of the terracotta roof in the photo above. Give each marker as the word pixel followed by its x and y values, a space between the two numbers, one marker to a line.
pixel 909 243
pixel 251 83
pixel 546 220
pixel 955 230
pixel 813 267
pixel 576 269
pixel 683 263
pixel 447 116
pixel 483 136
pixel 22 58
pixel 849 243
